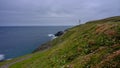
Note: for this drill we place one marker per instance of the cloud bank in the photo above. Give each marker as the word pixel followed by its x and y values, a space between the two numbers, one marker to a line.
pixel 55 12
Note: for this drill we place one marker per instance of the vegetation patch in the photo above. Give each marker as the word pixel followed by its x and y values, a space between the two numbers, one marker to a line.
pixel 95 44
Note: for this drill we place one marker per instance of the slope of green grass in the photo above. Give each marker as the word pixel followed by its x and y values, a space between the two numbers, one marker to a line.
pixel 95 44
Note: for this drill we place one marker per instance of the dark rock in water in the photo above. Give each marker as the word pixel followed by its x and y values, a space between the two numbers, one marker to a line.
pixel 59 33
pixel 47 45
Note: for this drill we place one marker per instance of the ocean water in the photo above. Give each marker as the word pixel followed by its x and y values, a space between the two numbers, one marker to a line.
pixel 18 41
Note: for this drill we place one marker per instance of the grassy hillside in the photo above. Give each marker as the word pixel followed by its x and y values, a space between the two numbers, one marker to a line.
pixel 95 44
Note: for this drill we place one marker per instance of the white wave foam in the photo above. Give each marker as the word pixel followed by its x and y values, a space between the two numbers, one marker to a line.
pixel 52 36
pixel 2 57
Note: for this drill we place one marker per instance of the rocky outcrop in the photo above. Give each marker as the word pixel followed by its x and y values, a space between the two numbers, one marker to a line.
pixel 59 33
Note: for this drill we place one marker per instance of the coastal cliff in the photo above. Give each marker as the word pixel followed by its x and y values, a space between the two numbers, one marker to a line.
pixel 95 44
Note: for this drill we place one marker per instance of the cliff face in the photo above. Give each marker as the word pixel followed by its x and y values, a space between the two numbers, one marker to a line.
pixel 95 44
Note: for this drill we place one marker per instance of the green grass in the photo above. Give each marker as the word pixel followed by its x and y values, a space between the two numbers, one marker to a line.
pixel 83 46
pixel 13 60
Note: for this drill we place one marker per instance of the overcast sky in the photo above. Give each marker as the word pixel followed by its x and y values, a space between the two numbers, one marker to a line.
pixel 55 12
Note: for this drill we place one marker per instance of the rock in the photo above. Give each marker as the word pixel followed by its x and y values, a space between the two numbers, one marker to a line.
pixel 59 33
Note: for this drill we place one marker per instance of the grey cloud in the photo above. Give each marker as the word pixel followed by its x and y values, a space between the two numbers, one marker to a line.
pixel 55 12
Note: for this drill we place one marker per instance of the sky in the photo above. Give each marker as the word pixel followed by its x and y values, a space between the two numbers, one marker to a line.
pixel 55 12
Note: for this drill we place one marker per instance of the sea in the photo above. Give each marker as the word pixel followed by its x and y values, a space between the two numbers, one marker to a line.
pixel 17 41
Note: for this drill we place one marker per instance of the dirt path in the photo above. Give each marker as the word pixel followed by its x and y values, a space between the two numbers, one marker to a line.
pixel 11 63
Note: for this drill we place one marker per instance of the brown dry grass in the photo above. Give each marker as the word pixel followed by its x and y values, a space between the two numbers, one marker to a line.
pixel 91 42
pixel 108 59
pixel 100 28
pixel 115 45
pixel 110 32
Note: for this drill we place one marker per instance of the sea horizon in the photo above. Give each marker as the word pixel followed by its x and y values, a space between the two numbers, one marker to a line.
pixel 21 40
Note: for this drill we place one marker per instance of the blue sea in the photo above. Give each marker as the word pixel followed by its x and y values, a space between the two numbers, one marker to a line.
pixel 21 40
